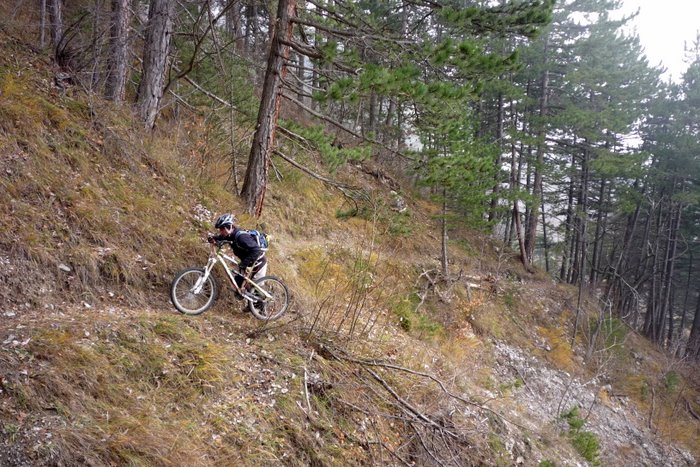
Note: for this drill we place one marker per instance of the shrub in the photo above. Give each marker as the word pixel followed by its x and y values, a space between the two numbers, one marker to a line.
pixel 411 320
pixel 671 380
pixel 585 442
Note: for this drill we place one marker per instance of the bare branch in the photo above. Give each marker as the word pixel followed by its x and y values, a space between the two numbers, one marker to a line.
pixel 344 128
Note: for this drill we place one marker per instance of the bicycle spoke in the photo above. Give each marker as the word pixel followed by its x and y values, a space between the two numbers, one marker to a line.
pixel 273 307
pixel 183 292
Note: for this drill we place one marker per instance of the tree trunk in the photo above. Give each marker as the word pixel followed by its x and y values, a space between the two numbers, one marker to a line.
pixel 670 270
pixel 598 236
pixel 443 258
pixel 539 166
pixel 519 231
pixel 42 24
pixel 528 189
pixel 544 239
pixel 115 86
pixel 581 222
pixel 301 76
pixel 255 182
pixel 510 225
pixel 56 19
pixel 499 161
pixel 233 23
pixel 684 312
pixel 651 318
pixel 693 348
pixel 568 237
pixel 372 116
pixel 97 45
pixel 615 283
pixel 155 58
pixel 641 267
pixel 251 28
pixel 389 132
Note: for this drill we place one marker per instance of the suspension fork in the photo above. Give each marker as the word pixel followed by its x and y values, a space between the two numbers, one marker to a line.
pixel 207 270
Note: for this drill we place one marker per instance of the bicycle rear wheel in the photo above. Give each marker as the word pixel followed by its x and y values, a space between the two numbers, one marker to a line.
pixel 189 294
pixel 268 309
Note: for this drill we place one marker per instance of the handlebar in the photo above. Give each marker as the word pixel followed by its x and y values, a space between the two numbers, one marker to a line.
pixel 218 244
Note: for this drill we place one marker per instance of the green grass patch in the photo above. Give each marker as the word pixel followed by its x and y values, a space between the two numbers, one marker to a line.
pixel 401 225
pixel 614 332
pixel 671 381
pixel 414 322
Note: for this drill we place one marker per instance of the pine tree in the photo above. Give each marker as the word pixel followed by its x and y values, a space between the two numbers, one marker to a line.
pixel 155 58
pixel 117 67
pixel 356 45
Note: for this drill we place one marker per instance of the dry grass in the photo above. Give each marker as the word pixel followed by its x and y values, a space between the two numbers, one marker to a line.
pixel 560 353
pixel 96 193
pixel 123 210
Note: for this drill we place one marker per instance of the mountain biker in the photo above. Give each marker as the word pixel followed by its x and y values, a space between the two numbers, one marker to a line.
pixel 253 263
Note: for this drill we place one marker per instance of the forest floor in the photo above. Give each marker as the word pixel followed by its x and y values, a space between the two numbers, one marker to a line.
pixel 377 362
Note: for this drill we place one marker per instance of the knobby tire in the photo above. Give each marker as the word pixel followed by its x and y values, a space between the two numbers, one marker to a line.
pixel 182 297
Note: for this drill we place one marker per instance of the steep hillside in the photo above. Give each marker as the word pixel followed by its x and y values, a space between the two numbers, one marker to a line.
pixel 379 361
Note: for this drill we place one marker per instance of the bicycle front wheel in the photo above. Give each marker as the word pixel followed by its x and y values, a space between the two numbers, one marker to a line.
pixel 268 309
pixel 190 293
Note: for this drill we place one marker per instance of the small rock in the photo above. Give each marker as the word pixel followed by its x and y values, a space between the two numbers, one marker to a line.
pixel 64 268
pixel 398 203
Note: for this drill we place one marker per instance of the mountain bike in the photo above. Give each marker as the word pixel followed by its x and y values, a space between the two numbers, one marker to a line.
pixel 194 290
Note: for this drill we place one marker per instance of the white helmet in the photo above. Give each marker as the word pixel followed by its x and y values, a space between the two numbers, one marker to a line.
pixel 224 220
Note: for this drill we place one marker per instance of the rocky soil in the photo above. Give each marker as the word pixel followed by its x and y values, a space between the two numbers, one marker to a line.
pixel 546 393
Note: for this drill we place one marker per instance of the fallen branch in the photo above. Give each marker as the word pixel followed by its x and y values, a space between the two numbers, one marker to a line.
pixel 408 406
pixel 430 377
pixel 425 446
pixel 430 284
pixel 306 387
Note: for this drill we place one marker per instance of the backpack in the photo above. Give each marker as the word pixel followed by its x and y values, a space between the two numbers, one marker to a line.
pixel 261 238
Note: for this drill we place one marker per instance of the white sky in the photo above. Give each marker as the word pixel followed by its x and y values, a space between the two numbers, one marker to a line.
pixel 663 26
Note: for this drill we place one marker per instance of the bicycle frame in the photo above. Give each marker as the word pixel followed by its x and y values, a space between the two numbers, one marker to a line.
pixel 218 256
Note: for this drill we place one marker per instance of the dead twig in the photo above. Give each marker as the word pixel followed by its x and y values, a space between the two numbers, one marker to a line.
pixel 405 404
pixel 651 410
pixel 690 409
pixel 428 376
pixel 425 447
pixel 430 284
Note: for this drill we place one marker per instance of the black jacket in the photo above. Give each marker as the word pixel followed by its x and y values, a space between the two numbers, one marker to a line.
pixel 245 247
